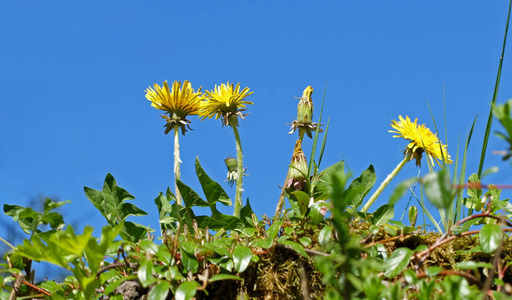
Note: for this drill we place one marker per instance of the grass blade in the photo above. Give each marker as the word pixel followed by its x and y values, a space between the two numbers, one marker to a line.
pixel 494 97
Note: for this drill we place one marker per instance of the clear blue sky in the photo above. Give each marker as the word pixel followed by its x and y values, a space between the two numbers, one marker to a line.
pixel 73 76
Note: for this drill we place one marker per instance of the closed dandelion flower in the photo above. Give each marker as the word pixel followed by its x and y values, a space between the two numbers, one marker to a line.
pixel 179 102
pixel 225 101
pixel 304 122
pixel 421 140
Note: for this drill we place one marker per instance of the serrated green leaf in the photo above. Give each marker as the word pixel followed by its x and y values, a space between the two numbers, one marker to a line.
pixel 397 262
pixel 241 257
pixel 212 190
pixel 186 291
pixel 490 237
pixel 159 291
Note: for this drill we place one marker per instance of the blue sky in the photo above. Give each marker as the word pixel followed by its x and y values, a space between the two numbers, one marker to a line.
pixel 73 76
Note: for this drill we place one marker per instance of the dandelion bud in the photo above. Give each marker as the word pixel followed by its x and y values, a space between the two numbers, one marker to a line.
pixel 298 169
pixel 305 107
pixel 231 164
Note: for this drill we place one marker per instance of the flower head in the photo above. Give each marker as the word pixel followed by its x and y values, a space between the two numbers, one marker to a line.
pixel 304 121
pixel 421 140
pixel 179 102
pixel 298 168
pixel 225 101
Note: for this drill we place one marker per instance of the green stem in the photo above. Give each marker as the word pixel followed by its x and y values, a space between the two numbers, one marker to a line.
pixel 386 182
pixel 239 168
pixel 177 161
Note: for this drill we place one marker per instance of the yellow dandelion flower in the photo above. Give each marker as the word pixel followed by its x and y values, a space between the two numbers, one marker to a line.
pixel 179 102
pixel 224 102
pixel 421 140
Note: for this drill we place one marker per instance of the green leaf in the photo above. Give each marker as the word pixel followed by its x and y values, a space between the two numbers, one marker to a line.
pixel 134 232
pixel 322 190
pixel 246 214
pixel 219 222
pixel 472 265
pixel 413 215
pixel 242 257
pixel 433 271
pixel 397 262
pixel 317 212
pixel 159 291
pixel 187 290
pixel 110 201
pixel 438 188
pixel 272 233
pixel 302 200
pixel 360 186
pixel 145 274
pixel 401 189
pixel 383 214
pixel 219 277
pixel 212 190
pixel 296 247
pixel 190 197
pixel 490 237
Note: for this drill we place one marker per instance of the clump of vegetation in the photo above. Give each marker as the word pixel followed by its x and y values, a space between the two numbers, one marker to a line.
pixel 325 244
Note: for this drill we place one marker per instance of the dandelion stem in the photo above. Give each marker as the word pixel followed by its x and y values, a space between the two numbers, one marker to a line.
pixel 177 161
pixel 239 167
pixel 386 182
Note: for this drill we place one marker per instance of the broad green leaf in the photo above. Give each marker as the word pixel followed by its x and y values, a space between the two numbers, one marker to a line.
pixel 360 186
pixel 322 190
pixel 317 212
pixel 186 291
pixel 219 222
pixel 55 220
pixel 296 247
pixel 438 188
pixel 241 257
pixel 159 291
pixel 134 232
pixel 212 190
pixel 145 273
pixel 397 262
pixel 129 209
pixel 70 242
pixel 190 197
pixel 490 237
pixel 49 205
pixel 383 214
pixel 189 261
pixel 110 201
pixel 302 200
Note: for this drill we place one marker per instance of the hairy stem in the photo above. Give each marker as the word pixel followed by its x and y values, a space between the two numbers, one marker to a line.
pixel 177 161
pixel 239 168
